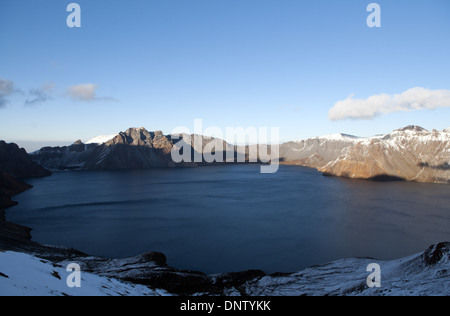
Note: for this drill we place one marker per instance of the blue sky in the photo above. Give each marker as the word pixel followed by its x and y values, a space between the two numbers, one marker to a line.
pixel 162 64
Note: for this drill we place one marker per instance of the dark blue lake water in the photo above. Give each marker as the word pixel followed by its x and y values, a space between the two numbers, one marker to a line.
pixel 232 218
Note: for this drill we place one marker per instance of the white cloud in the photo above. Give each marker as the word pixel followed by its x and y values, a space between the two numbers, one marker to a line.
pixel 40 95
pixel 412 100
pixel 83 92
pixel 87 93
pixel 6 89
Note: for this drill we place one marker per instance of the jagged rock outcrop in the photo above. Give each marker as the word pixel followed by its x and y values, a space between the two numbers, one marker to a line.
pixel 424 274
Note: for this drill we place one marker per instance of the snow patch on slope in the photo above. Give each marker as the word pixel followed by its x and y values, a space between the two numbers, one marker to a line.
pixel 25 275
pixel 424 274
pixel 341 137
pixel 101 139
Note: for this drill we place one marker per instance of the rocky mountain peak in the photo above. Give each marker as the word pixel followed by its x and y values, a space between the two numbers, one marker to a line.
pixel 439 253
pixel 16 162
pixel 78 146
pixel 413 128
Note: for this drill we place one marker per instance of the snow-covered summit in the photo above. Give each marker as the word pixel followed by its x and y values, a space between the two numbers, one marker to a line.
pixel 101 139
pixel 341 137
pixel 418 135
pixel 411 128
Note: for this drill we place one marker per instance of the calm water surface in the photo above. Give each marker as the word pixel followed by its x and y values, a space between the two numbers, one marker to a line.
pixel 232 218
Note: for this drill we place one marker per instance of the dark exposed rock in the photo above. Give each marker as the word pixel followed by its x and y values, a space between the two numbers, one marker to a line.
pixel 136 148
pixel 16 162
pixel 437 253
pixel 12 232
pixel 156 257
pixel 150 269
pixel 238 279
pixel 413 128
pixel 411 154
pixel 181 283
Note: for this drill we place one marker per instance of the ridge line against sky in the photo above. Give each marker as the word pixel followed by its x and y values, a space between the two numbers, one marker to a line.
pixel 161 65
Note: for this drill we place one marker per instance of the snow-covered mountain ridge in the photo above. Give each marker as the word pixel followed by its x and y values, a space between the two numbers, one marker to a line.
pixel 411 153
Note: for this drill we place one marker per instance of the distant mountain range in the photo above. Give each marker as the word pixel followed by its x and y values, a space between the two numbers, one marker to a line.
pixel 136 148
pixel 411 153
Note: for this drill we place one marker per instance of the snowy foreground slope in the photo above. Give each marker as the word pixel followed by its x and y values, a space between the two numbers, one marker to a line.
pixel 424 274
pixel 417 275
pixel 25 275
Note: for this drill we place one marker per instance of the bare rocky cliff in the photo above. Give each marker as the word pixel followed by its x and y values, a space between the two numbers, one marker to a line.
pixel 15 164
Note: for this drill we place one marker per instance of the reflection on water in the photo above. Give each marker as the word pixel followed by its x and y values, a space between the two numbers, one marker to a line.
pixel 232 218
